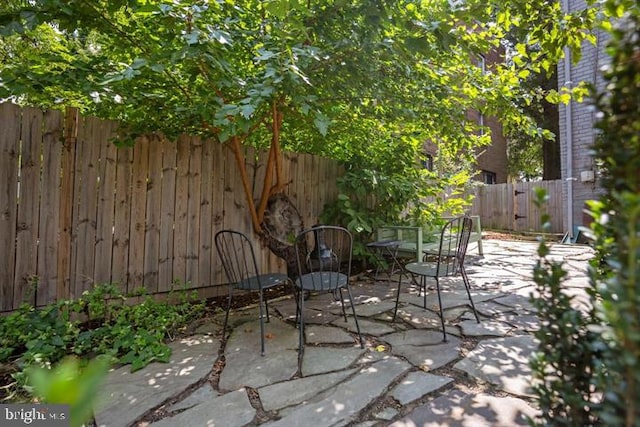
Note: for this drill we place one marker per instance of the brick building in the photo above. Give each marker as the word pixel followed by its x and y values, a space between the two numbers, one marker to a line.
pixel 577 133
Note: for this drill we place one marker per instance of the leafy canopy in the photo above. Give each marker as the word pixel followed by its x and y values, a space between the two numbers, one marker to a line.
pixel 364 81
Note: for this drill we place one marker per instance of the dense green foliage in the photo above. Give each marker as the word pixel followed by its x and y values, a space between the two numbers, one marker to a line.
pixel 564 365
pixel 124 333
pixel 616 272
pixel 588 365
pixel 365 82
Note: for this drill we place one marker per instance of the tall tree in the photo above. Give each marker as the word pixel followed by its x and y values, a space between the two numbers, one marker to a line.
pixel 343 78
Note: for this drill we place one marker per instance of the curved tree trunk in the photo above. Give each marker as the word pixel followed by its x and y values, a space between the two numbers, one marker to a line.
pixel 281 224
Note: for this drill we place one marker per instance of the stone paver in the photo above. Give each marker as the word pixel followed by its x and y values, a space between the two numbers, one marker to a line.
pixel 503 362
pixel 339 404
pixel 385 383
pixel 229 410
pixel 244 364
pixel 128 395
pixel 457 409
pixel 416 385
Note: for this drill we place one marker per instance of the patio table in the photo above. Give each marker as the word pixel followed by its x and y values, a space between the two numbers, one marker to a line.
pixel 387 249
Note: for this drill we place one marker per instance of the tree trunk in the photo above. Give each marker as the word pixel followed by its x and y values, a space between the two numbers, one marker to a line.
pixel 281 225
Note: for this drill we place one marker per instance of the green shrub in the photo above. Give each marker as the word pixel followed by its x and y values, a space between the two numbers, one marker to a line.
pixel 588 367
pixel 125 333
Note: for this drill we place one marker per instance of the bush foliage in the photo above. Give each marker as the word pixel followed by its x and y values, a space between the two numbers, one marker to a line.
pixel 111 327
pixel 588 366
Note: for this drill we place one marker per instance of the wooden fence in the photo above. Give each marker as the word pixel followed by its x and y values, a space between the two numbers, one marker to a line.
pixel 75 210
pixel 511 206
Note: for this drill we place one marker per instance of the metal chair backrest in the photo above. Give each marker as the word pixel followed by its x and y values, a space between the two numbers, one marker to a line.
pixel 323 252
pixel 454 240
pixel 237 256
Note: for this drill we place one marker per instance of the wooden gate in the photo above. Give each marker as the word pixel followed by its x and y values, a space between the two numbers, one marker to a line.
pixel 511 206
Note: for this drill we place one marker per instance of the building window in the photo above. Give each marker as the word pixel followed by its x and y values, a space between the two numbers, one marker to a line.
pixel 489 177
pixel 427 163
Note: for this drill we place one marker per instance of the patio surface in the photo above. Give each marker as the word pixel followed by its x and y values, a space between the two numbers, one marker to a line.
pixel 406 375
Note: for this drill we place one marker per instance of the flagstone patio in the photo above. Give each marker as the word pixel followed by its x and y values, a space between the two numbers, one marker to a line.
pixel 406 375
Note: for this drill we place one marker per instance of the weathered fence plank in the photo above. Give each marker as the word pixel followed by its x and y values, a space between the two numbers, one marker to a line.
pixel 10 116
pixel 167 215
pixel 67 197
pixel 49 208
pixel 106 204
pixel 140 171
pixel 120 262
pixel 193 202
pixel 205 237
pixel 153 212
pixel 181 214
pixel 25 277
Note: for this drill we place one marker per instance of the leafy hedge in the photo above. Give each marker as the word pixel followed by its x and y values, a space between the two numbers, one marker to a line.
pixel 124 333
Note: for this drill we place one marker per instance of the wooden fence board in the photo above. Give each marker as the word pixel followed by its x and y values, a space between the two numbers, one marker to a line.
pixel 67 197
pixel 193 201
pixel 181 214
pixel 167 215
pixel 28 196
pixel 85 230
pixel 105 215
pixel 10 116
pixel 122 218
pixel 140 170
pixel 220 162
pixel 49 208
pixel 153 213
pixel 206 253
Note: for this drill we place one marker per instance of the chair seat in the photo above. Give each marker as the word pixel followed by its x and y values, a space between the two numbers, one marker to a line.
pixel 430 269
pixel 321 281
pixel 267 280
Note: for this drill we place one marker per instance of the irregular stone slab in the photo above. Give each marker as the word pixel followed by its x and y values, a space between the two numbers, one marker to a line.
pixel 374 309
pixel 367 327
pixel 457 409
pixel 230 410
pixel 519 303
pixel 503 362
pixel 318 360
pixel 338 405
pixel 424 349
pixel 244 364
pixel 524 323
pixel 418 317
pixel 327 335
pixel 202 394
pixel 486 327
pixel 416 385
pixel 129 395
pixel 289 393
pixel 490 308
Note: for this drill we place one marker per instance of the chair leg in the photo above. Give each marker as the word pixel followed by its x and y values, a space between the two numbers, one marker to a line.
pixel 465 279
pixel 423 286
pixel 395 311
pixel 261 325
pixel 344 313
pixel 226 316
pixel 301 327
pixel 355 317
pixel 444 333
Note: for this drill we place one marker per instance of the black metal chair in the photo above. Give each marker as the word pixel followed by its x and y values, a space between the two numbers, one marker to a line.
pixel 323 257
pixel 239 262
pixel 448 261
